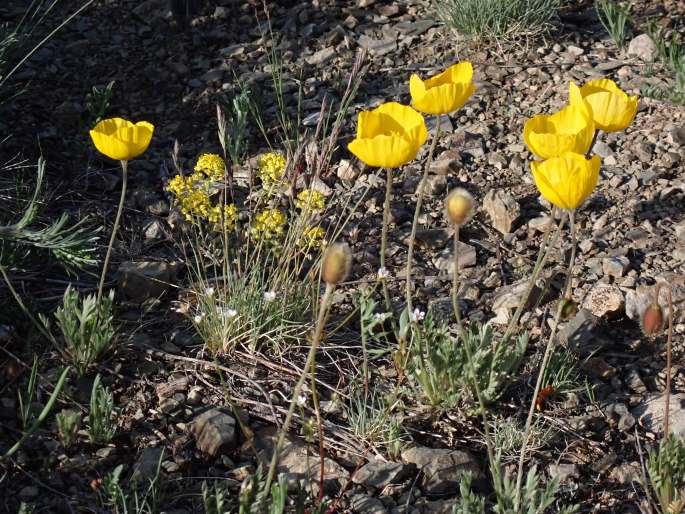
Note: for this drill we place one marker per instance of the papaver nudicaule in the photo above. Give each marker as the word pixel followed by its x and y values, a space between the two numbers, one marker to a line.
pixel 569 130
pixel 121 140
pixel 566 181
pixel 612 109
pixel 388 136
pixel 445 92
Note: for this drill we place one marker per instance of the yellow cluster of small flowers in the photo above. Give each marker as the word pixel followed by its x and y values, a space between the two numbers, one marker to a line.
pixel 312 237
pixel 269 224
pixel 192 195
pixel 310 200
pixel 271 166
pixel 230 215
pixel 212 165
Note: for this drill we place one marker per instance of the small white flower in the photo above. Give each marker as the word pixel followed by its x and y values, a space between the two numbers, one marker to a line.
pixel 301 400
pixel 209 292
pixel 417 315
pixel 381 316
pixel 382 273
pixel 269 296
pixel 231 313
pixel 199 317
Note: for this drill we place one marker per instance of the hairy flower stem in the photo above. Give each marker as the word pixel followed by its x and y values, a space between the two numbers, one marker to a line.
pixel 543 255
pixel 455 283
pixel 669 348
pixel 417 212
pixel 317 411
pixel 548 353
pixel 384 235
pixel 316 340
pixel 489 444
pixel 124 179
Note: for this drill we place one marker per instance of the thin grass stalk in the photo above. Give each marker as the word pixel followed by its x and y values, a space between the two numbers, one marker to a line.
pixel 417 212
pixel 27 312
pixel 316 340
pixel 546 357
pixel 543 255
pixel 117 219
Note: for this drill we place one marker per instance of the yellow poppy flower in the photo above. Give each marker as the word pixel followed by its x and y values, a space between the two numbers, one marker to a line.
pixel 388 136
pixel 612 109
pixel 567 180
pixel 569 130
pixel 120 139
pixel 445 92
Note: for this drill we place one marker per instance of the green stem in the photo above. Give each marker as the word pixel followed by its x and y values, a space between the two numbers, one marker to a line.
pixel 384 235
pixel 417 213
pixel 124 179
pixel 546 357
pixel 316 340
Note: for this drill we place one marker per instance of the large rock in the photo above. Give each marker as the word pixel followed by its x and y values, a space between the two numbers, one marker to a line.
pixel 215 432
pixel 442 469
pixel 604 300
pixel 445 260
pixel 378 474
pixel 502 208
pixel 578 334
pixel 147 279
pixel 650 414
pixel 643 47
pixel 300 465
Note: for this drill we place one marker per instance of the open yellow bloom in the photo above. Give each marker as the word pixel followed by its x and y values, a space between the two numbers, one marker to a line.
pixel 120 139
pixel 389 136
pixel 612 109
pixel 445 92
pixel 569 130
pixel 567 180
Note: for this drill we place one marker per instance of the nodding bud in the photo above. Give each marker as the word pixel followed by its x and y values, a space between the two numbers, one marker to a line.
pixel 459 206
pixel 652 319
pixel 568 308
pixel 336 263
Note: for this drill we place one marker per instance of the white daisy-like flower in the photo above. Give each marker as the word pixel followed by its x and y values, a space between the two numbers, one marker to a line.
pixel 231 313
pixel 199 317
pixel 383 273
pixel 417 315
pixel 269 296
pixel 209 292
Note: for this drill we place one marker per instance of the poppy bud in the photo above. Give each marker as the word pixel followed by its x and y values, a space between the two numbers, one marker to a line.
pixel 336 263
pixel 652 319
pixel 459 206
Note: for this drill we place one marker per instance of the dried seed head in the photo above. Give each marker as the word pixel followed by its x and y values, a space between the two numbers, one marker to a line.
pixel 336 263
pixel 459 206
pixel 652 319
